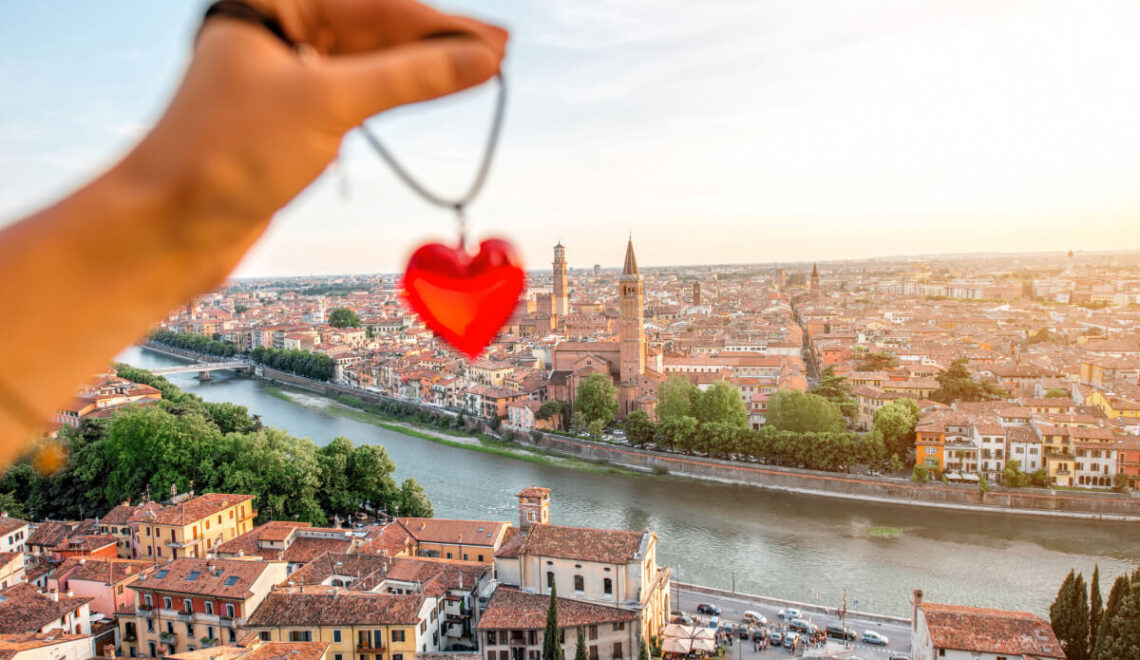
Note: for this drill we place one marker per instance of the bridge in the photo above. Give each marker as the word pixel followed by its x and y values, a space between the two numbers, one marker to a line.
pixel 204 368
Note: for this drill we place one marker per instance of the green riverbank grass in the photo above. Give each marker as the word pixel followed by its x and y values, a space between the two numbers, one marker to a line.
pixel 462 440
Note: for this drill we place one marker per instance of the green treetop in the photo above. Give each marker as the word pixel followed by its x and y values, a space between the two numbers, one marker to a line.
pixel 597 399
pixel 343 317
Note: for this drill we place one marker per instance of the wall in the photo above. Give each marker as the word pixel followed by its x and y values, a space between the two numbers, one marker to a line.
pixel 1112 506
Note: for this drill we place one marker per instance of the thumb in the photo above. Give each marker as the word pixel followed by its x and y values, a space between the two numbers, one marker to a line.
pixel 361 85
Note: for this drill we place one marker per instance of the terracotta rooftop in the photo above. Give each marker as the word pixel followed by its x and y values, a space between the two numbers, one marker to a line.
pixel 8 524
pixel 442 530
pixel 24 609
pixel 981 630
pixel 195 509
pixel 511 609
pixel 230 578
pixel 100 569
pixel 607 546
pixel 337 608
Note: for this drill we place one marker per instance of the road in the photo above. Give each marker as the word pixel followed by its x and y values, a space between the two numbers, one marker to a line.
pixel 733 608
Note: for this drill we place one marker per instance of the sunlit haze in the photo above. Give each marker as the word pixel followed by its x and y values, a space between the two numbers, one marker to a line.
pixel 715 132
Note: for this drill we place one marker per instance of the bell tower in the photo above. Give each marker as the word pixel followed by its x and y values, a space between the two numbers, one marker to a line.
pixel 632 360
pixel 534 507
pixel 558 304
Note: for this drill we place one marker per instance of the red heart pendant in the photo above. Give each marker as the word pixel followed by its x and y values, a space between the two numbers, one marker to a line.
pixel 464 299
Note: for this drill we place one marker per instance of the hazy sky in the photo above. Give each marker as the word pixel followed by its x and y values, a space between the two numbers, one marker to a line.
pixel 715 131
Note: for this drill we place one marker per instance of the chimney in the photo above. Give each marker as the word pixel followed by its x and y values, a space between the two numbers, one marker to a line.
pixel 70 593
pixel 127 502
pixel 914 612
pixel 54 595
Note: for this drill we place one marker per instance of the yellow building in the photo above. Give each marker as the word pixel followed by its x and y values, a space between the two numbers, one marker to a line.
pixel 489 372
pixel 1114 406
pixel 192 526
pixel 356 625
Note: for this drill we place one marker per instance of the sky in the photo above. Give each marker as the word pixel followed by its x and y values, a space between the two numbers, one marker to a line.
pixel 720 131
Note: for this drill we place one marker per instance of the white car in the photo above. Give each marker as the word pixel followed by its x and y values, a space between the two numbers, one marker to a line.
pixel 872 637
pixel 755 618
pixel 790 613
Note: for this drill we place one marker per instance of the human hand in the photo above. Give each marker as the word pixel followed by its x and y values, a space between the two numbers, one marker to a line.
pixel 255 122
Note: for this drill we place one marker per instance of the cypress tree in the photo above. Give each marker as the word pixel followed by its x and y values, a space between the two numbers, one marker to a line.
pixel 1107 627
pixel 1069 616
pixel 551 644
pixel 1122 639
pixel 1096 608
pixel 643 652
pixel 580 649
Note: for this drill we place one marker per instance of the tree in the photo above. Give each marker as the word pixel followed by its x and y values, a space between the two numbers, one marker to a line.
pixel 1120 482
pixel 1056 393
pixel 638 428
pixel 414 501
pixel 642 651
pixel 896 463
pixel 1012 475
pixel 597 399
pixel 838 390
pixel 578 422
pixel 675 398
pixel 580 652
pixel 551 643
pixel 896 422
pixel 957 384
pixel 790 410
pixel 677 433
pixel 720 403
pixel 1109 628
pixel 877 362
pixel 1096 607
pixel 1069 616
pixel 552 408
pixel 343 317
pixel 921 474
pixel 1121 638
pixel 596 428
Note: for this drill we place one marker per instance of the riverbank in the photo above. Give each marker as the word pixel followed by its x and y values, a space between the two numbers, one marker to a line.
pixel 599 457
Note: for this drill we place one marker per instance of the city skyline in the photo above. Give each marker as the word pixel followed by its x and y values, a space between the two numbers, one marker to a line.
pixel 784 133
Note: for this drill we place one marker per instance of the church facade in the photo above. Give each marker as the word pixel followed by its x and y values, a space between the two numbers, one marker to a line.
pixel 623 358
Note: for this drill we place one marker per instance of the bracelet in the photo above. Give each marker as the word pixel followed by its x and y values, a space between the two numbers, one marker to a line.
pixel 243 11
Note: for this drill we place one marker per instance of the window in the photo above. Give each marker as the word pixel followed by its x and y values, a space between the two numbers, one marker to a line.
pixel 233 635
pixel 449 555
pixel 608 586
pixel 336 656
pixel 167 603
pixel 264 635
pixel 579 583
pixel 147 600
pixel 490 637
pixel 593 632
pixel 170 627
pixel 230 610
pixel 190 629
pixel 231 580
pixel 336 636
pixel 187 605
pixel 301 636
pixel 209 607
pixel 532 637
pixel 150 625
pixel 480 557
pixel 617 650
pixel 397 656
pixel 594 652
pixel 398 636
pixel 364 639
pixel 550 579
pixel 464 556
pixel 620 625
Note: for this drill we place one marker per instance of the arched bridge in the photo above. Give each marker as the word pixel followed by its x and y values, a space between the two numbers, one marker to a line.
pixel 204 368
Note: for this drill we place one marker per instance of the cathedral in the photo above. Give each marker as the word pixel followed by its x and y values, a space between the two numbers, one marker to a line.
pixel 626 358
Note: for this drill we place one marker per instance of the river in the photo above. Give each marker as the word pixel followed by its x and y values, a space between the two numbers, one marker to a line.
pixel 781 545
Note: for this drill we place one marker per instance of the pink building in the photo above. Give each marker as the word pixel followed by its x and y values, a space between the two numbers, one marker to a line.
pixel 101 579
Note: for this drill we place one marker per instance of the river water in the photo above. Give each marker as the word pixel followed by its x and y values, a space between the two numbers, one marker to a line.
pixel 775 544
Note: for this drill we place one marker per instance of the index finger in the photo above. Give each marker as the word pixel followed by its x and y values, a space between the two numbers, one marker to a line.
pixel 338 27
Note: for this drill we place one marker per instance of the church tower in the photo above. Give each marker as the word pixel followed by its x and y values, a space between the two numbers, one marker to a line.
pixel 816 292
pixel 558 303
pixel 632 332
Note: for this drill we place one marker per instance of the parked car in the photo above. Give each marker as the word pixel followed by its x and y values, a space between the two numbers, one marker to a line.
pixel 714 623
pixel 789 613
pixel 755 618
pixel 800 625
pixel 777 637
pixel 872 637
pixel 682 618
pixel 899 656
pixel 743 631
pixel 839 632
pixel 759 634
pixel 790 639
pixel 705 608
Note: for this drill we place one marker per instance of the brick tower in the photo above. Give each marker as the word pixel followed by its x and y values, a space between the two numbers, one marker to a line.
pixel 558 304
pixel 632 332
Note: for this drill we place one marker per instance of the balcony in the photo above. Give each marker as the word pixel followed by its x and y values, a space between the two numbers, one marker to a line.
pixel 186 615
pixel 518 640
pixel 168 638
pixel 370 649
pixel 227 622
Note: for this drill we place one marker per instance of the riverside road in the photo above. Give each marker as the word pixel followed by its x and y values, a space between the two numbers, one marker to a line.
pixel 733 608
